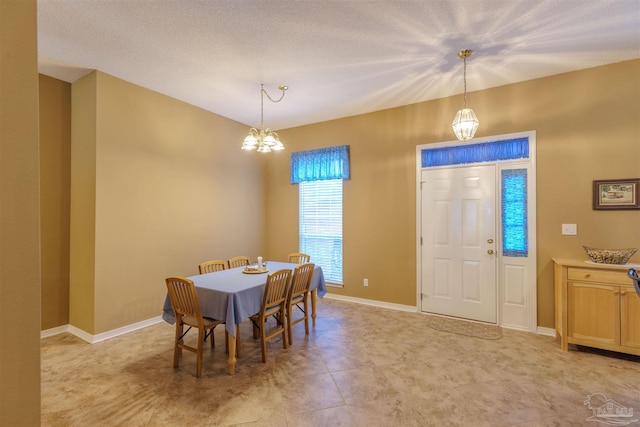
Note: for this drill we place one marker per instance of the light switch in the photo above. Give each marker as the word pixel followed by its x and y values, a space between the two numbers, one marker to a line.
pixel 569 229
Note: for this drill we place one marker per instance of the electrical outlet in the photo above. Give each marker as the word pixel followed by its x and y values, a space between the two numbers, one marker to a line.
pixel 366 282
pixel 570 229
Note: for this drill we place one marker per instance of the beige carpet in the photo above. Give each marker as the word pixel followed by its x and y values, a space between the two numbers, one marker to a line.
pixel 465 327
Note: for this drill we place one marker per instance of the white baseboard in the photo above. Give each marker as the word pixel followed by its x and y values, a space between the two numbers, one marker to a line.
pixel 549 332
pixel 92 339
pixel 82 334
pixel 54 331
pixel 375 303
pixel 411 309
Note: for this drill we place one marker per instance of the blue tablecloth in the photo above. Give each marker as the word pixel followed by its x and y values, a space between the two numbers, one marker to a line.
pixel 233 296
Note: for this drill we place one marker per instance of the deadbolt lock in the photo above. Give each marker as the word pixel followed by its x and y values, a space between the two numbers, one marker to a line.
pixel 489 240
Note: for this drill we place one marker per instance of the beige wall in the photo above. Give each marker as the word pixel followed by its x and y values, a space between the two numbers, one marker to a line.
pixel 55 186
pixel 19 216
pixel 83 202
pixel 588 127
pixel 170 188
pixel 149 148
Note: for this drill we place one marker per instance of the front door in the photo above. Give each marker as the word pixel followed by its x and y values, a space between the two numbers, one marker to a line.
pixel 458 242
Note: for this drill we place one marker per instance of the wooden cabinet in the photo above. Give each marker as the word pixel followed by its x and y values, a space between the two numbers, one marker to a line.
pixel 596 306
pixel 630 319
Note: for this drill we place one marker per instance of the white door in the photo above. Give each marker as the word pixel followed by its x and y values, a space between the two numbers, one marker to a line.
pixel 458 242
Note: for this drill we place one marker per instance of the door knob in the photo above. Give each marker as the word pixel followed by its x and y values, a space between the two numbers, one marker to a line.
pixel 490 251
pixel 489 240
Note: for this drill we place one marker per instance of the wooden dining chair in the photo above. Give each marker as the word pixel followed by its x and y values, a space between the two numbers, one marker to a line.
pixel 273 304
pixel 212 266
pixel 186 309
pixel 239 261
pixel 299 258
pixel 299 294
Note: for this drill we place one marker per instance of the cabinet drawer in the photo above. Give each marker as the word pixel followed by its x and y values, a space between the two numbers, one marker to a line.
pixel 602 276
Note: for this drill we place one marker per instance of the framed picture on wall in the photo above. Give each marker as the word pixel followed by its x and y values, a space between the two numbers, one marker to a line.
pixel 616 194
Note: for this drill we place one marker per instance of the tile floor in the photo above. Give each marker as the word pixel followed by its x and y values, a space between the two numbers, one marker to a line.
pixel 360 366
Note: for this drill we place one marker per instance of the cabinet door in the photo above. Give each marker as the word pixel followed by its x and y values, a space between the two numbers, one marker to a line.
pixel 593 312
pixel 630 320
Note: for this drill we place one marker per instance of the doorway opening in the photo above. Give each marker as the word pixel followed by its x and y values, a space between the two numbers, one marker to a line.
pixel 475 217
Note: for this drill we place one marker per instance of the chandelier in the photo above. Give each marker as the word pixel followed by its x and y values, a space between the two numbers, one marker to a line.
pixel 465 123
pixel 264 140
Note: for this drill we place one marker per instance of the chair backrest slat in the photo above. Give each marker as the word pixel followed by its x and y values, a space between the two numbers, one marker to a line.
pixel 239 261
pixel 212 266
pixel 276 289
pixel 183 296
pixel 301 280
pixel 299 258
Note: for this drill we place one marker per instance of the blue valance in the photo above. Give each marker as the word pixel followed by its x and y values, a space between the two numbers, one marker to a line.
pixel 320 164
pixel 507 149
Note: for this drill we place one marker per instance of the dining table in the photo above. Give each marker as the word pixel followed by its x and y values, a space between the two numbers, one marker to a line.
pixel 235 294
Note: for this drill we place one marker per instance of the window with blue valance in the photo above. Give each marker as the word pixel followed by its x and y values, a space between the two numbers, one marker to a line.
pixel 508 149
pixel 320 165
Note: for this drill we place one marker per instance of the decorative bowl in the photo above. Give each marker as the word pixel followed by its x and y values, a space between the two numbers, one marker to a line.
pixel 610 256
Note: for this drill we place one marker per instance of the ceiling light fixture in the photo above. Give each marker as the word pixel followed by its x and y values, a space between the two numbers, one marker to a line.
pixel 465 123
pixel 264 140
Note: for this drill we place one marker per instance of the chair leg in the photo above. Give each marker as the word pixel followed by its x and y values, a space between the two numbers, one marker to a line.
pixel 306 316
pixel 289 314
pixel 199 353
pixel 314 293
pixel 176 349
pixel 284 328
pixel 263 341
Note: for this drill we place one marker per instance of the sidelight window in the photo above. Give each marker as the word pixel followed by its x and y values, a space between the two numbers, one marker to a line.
pixel 514 213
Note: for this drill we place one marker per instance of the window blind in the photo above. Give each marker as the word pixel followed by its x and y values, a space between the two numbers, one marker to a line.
pixel 320 225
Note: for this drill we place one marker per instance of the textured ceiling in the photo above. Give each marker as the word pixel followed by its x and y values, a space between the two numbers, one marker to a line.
pixel 339 58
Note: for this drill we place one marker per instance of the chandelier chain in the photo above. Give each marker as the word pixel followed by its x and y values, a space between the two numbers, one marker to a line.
pixel 282 88
pixel 465 81
pixel 264 92
pixel 264 140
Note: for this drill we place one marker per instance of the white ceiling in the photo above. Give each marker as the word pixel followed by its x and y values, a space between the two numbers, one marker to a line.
pixel 339 58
